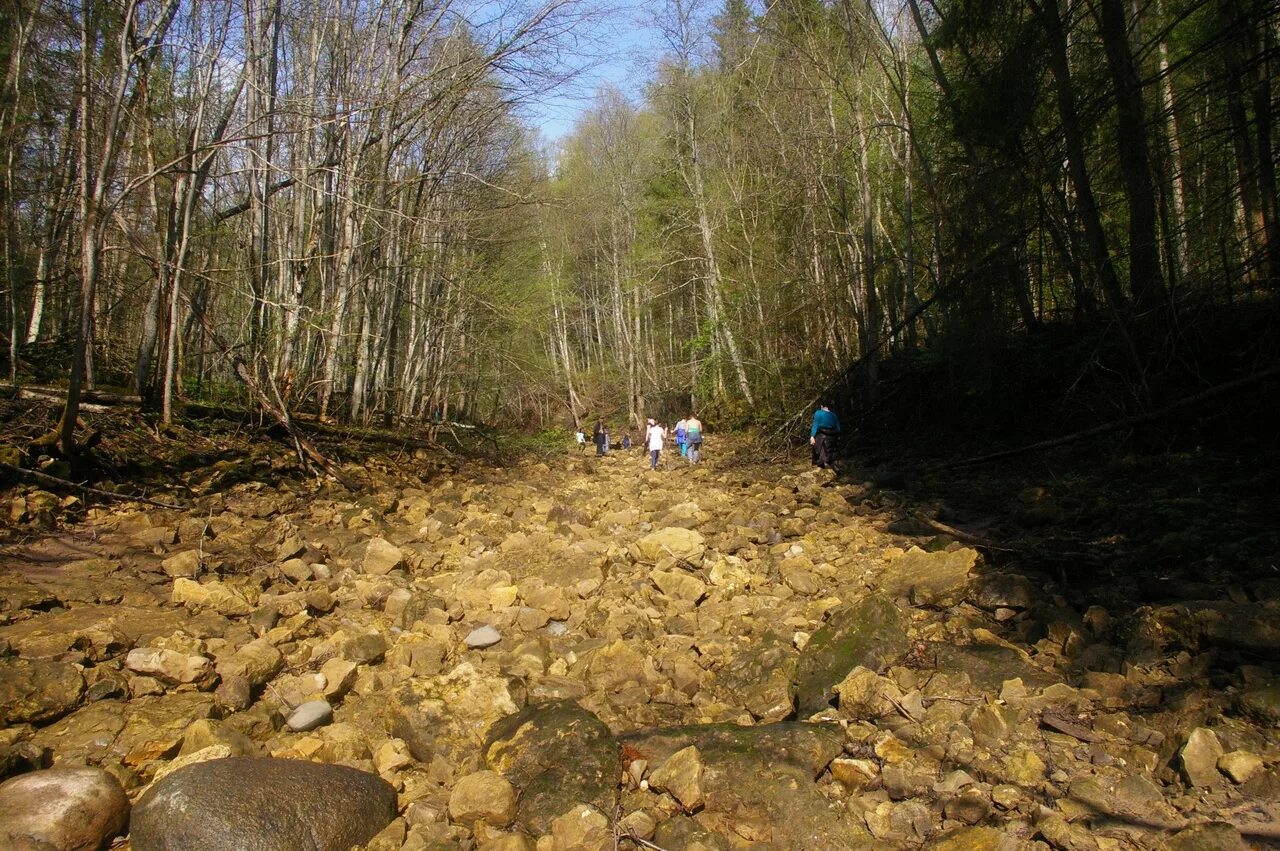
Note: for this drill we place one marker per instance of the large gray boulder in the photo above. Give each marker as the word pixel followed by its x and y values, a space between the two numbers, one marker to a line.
pixel 62 809
pixel 253 804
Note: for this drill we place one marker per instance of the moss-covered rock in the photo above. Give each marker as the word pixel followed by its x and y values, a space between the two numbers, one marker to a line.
pixel 557 755
pixel 871 633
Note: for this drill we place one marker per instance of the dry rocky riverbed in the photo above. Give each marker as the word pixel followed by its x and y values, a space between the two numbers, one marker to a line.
pixel 581 654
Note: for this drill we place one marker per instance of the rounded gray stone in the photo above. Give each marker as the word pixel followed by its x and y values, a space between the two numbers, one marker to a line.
pixel 263 804
pixel 82 807
pixel 309 715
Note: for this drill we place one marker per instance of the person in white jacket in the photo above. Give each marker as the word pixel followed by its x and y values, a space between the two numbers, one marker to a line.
pixel 653 438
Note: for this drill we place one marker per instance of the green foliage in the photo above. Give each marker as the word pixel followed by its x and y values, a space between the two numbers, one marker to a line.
pixel 545 443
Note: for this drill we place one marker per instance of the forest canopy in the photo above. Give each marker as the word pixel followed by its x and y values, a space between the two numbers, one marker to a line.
pixel 340 208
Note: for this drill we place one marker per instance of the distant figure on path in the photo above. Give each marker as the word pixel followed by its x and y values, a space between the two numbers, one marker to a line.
pixel 680 437
pixel 598 436
pixel 653 439
pixel 823 434
pixel 626 442
pixel 693 438
pixel 581 437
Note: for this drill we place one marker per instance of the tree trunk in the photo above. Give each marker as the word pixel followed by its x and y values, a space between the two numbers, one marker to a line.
pixel 1177 233
pixel 1095 236
pixel 1264 59
pixel 1146 281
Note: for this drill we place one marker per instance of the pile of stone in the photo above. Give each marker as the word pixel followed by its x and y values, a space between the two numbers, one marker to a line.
pixel 588 655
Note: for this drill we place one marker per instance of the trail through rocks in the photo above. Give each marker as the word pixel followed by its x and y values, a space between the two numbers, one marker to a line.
pixel 581 653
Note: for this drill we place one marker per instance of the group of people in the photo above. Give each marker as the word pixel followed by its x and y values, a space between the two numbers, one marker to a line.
pixel 600 438
pixel 823 433
pixel 688 435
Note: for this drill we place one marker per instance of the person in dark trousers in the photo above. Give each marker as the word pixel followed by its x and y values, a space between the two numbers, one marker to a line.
pixel 598 436
pixel 653 437
pixel 823 434
pixel 693 439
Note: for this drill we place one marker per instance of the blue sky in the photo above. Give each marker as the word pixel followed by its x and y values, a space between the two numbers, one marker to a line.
pixel 621 45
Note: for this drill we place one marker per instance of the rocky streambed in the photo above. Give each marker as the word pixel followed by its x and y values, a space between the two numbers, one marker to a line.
pixel 582 654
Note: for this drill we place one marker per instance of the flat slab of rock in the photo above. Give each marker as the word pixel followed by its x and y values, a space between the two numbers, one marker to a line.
pixel 929 579
pixel 213 595
pixel 134 731
pixel 1199 757
pixel 987 666
pixel 557 755
pixel 762 678
pixel 168 665
pixel 681 776
pixel 808 747
pixel 482 637
pixel 71 808
pixel 263 804
pixel 381 557
pixel 257 661
pixel 185 564
pixel 871 633
pixel 37 690
pixel 103 632
pixel 450 714
pixel 1003 590
pixel 1261 703
pixel 483 796
pixel 1252 627
pixel 679 585
pixel 754 782
pixel 683 545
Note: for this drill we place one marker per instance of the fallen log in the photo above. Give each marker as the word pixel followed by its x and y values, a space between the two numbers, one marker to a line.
pixel 59 394
pixel 60 482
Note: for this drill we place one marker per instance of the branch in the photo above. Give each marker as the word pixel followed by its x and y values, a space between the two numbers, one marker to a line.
pixel 307 451
pixel 45 477
pixel 1138 419
pixel 794 421
pixel 236 209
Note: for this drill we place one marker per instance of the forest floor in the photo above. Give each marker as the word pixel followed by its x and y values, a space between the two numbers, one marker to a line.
pixel 555 651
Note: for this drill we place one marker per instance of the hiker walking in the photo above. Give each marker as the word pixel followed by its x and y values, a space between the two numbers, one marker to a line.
pixel 653 439
pixel 680 437
pixel 598 437
pixel 693 438
pixel 823 434
pixel 581 437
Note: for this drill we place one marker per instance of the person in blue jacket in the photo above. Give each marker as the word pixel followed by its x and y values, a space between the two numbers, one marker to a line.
pixel 823 434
